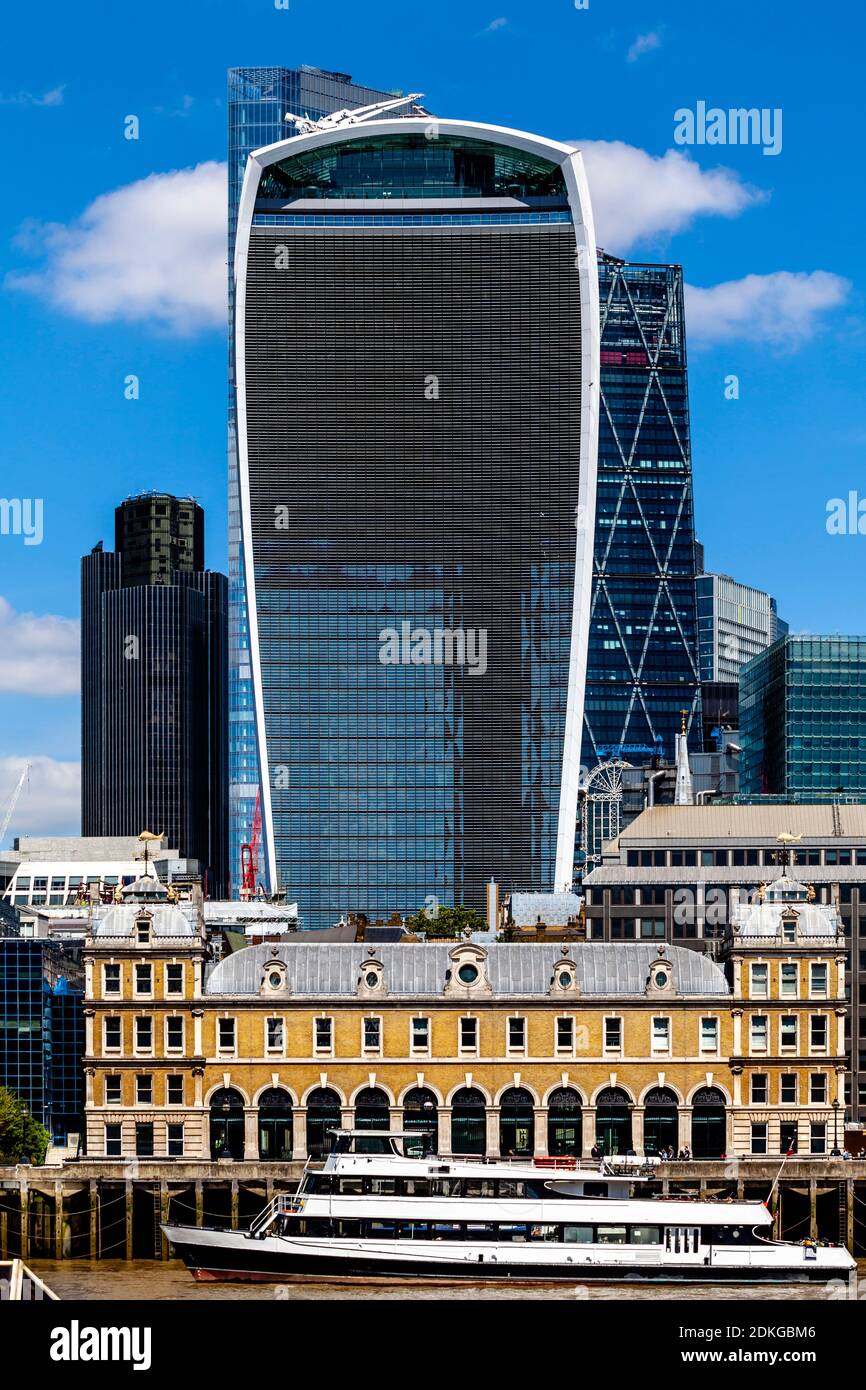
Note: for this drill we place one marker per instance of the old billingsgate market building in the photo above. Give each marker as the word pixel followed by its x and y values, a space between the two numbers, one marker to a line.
pixel 502 1049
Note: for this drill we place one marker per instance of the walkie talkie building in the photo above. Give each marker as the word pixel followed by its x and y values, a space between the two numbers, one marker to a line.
pixel 417 362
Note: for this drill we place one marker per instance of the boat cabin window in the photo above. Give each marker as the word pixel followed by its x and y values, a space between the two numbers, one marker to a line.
pixel 727 1235
pixel 578 1235
pixel 646 1235
pixel 507 1188
pixel 479 1187
pixel 678 1240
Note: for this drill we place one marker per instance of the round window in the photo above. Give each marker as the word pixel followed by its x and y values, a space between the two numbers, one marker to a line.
pixel 275 979
pixel 661 979
pixel 564 979
pixel 371 979
pixel 468 974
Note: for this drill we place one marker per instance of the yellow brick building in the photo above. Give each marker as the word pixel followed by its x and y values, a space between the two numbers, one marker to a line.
pixel 788 1056
pixel 506 1048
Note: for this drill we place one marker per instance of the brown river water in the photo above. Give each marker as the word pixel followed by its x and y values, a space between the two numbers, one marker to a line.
pixel 144 1280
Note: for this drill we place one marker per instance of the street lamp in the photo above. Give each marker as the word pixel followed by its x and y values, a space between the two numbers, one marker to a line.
pixel 836 1152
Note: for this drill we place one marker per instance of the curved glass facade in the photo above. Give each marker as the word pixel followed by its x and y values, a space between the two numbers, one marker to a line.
pixel 413 166
pixel 413 400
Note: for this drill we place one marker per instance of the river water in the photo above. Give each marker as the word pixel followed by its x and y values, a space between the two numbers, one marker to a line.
pixel 143 1280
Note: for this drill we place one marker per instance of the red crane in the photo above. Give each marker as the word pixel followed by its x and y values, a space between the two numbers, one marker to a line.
pixel 250 855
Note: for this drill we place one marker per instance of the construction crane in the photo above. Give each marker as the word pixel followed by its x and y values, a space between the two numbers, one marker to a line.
pixel 306 126
pixel 250 855
pixel 13 802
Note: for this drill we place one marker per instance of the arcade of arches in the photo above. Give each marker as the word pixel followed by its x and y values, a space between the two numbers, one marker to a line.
pixel 276 1130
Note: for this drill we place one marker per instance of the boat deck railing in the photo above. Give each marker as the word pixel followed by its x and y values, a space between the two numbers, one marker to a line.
pixel 282 1202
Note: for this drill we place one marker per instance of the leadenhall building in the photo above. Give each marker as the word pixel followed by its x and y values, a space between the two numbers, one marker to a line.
pixel 496 1049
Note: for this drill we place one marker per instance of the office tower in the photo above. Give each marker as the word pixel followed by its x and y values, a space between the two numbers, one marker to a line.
pixel 258 101
pixel 642 667
pixel 417 360
pixel 42 1041
pixel 735 622
pixel 157 535
pixel 803 717
pixel 154 633
pixel 720 713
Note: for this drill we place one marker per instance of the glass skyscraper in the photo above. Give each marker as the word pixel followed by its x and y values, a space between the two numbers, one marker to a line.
pixel 154 704
pixel 417 367
pixel 259 100
pixel 802 709
pixel 42 1032
pixel 643 650
pixel 735 622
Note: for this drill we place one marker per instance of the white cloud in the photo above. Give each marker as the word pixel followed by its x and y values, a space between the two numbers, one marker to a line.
pixel 52 98
pixel 50 800
pixel 782 309
pixel 636 195
pixel 40 653
pixel 644 43
pixel 152 250
pixel 494 26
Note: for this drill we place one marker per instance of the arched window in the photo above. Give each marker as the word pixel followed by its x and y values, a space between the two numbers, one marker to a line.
pixel 468 1126
pixel 564 1124
pixel 275 1125
pixel 421 1116
pixel 227 1124
pixel 708 1123
pixel 613 1121
pixel 516 1123
pixel 660 1121
pixel 371 1112
pixel 323 1115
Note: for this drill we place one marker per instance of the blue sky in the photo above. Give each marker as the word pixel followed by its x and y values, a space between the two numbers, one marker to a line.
pixel 781 235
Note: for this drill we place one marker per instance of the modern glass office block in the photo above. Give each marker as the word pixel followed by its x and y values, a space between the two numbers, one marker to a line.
pixel 802 708
pixel 258 101
pixel 735 622
pixel 42 1032
pixel 643 651
pixel 154 685
pixel 417 353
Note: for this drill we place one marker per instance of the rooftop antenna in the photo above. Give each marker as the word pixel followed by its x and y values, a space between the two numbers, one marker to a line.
pixel 306 126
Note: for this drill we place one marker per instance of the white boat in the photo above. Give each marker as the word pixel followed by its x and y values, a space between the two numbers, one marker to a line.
pixel 387 1215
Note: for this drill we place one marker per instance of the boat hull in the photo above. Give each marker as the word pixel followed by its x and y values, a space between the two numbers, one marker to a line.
pixel 237 1259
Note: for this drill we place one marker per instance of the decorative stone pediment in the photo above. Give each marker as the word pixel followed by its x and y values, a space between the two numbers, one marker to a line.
pixel 660 981
pixel 563 981
pixel 371 976
pixel 467 970
pixel 275 979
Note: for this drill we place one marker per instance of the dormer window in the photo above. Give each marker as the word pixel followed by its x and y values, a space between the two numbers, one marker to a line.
pixel 371 976
pixel 142 931
pixel 467 971
pixel 789 929
pixel 660 977
pixel 564 980
pixel 274 978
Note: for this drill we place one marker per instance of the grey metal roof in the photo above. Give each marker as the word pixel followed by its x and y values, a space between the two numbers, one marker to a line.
pixel 668 877
pixel 764 919
pixel 554 909
pixel 673 824
pixel 172 921
pixel 602 968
